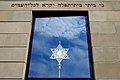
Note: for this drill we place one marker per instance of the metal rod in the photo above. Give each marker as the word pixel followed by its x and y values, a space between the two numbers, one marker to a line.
pixel 59 73
pixel 59 68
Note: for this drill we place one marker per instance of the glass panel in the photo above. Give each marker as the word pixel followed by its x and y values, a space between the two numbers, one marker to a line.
pixel 60 48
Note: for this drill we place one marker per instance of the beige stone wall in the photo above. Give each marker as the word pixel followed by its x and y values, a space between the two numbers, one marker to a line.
pixel 15 26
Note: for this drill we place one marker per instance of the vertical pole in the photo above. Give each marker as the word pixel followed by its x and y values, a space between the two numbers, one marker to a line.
pixel 59 73
pixel 59 68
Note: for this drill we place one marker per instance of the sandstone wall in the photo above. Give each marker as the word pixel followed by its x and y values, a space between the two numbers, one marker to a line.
pixel 15 27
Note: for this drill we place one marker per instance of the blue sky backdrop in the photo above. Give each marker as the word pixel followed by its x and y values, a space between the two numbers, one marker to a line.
pixel 71 31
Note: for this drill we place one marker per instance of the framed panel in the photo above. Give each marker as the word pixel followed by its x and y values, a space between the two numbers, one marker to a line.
pixel 60 46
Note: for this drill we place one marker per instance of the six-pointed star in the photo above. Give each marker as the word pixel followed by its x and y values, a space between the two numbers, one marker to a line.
pixel 59 53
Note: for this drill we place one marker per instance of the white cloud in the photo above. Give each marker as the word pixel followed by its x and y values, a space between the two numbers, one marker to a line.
pixel 67 27
pixel 78 53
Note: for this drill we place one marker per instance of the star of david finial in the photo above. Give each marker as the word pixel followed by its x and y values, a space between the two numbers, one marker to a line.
pixel 59 53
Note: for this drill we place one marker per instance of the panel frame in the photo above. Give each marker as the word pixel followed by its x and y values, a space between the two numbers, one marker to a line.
pixel 57 13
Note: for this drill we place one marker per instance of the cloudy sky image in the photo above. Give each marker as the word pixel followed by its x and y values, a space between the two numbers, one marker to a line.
pixel 71 31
